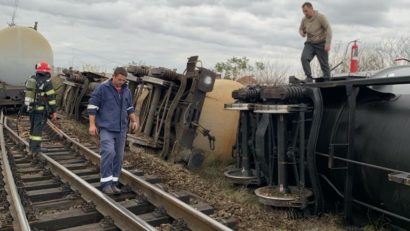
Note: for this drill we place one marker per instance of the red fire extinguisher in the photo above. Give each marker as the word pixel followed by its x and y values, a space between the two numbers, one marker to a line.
pixel 354 59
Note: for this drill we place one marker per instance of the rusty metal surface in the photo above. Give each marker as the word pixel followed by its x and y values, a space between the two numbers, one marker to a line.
pixel 138 70
pixel 20 222
pixel 194 219
pixel 165 73
pixel 141 139
pixel 77 88
pixel 169 106
pixel 11 95
pixel 157 81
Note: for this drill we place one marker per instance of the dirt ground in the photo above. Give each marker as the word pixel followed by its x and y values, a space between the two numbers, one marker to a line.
pixel 210 184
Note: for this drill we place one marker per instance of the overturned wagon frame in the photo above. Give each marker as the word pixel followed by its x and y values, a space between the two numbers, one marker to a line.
pixel 169 106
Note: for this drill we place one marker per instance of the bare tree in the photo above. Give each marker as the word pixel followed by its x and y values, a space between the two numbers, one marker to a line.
pixel 92 68
pixel 271 72
pixel 390 49
pixel 264 72
pixel 370 59
pixel 372 56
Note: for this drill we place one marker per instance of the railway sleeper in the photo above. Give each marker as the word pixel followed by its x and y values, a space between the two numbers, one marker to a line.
pixel 71 161
pixel 57 204
pixel 40 176
pixel 39 185
pixel 29 170
pixel 76 166
pixel 47 194
pixel 77 217
pixel 94 227
pixel 86 171
pixel 66 157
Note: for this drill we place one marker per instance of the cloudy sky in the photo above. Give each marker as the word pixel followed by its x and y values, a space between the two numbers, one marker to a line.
pixel 165 32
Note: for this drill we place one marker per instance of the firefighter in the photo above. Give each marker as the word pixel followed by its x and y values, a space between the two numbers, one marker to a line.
pixel 109 109
pixel 40 100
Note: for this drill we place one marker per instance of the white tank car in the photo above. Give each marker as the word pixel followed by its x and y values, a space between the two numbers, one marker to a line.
pixel 21 48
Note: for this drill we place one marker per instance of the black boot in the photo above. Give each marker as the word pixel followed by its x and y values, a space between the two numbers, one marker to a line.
pixel 308 80
pixel 115 189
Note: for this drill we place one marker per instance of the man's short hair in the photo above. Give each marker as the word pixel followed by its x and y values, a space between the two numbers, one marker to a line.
pixel 308 4
pixel 120 71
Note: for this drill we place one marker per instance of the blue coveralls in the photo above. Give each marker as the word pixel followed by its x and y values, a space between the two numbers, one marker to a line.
pixel 111 109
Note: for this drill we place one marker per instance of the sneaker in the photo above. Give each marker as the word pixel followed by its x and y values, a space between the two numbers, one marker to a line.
pixel 108 191
pixel 116 190
pixel 307 80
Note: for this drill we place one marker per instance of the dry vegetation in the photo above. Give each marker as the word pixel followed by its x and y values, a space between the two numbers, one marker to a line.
pixel 372 56
pixel 209 184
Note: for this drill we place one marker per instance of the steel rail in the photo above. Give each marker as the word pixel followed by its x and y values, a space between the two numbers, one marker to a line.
pixel 17 211
pixel 177 209
pixel 122 217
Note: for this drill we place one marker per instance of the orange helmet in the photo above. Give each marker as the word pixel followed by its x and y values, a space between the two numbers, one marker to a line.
pixel 43 67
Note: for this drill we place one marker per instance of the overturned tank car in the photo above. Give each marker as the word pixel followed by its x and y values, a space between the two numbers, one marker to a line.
pixel 169 107
pixel 75 90
pixel 305 144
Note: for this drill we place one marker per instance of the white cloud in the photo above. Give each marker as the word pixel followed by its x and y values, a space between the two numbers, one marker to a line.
pixel 165 32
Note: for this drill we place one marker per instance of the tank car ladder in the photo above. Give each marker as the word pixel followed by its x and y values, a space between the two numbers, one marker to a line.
pixel 351 95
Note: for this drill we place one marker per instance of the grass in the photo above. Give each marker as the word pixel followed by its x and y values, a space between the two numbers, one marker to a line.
pixel 212 172
pixel 377 224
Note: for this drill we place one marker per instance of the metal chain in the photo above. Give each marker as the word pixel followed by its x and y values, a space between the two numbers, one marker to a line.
pixel 207 133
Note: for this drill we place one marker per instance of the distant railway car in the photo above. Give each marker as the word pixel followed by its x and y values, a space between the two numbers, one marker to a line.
pixel 21 48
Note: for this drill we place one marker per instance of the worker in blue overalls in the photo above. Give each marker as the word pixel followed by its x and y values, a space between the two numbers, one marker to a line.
pixel 109 109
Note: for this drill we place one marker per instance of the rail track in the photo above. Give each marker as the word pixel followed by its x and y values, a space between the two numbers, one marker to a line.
pixel 58 190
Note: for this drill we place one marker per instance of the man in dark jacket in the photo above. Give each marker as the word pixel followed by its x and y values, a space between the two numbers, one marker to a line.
pixel 40 100
pixel 109 108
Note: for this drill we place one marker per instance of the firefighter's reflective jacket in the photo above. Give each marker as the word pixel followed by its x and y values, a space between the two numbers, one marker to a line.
pixel 40 94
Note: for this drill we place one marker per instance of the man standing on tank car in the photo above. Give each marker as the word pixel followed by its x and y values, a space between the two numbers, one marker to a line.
pixel 40 100
pixel 109 109
pixel 317 29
